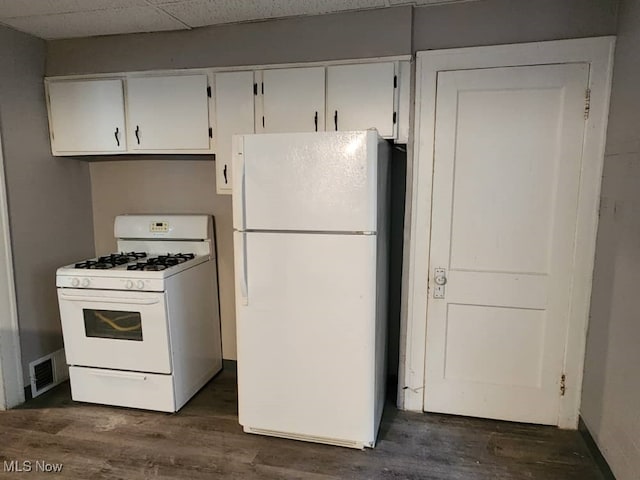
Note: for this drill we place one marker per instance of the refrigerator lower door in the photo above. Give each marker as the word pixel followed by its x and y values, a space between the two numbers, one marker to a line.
pixel 306 336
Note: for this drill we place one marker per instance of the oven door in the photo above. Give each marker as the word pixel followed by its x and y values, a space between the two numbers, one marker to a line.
pixel 115 329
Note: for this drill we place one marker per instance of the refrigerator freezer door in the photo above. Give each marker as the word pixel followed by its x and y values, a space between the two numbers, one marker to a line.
pixel 323 182
pixel 306 336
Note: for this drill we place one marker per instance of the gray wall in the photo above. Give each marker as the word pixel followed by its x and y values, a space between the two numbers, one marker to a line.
pixel 170 186
pixel 611 388
pixel 49 198
pixel 368 33
pixel 371 33
pixel 492 22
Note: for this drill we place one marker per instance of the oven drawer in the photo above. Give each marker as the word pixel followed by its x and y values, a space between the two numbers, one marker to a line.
pixel 149 391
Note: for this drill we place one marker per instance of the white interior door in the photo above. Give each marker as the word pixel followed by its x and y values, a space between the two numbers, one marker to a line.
pixel 508 149
pixel 11 387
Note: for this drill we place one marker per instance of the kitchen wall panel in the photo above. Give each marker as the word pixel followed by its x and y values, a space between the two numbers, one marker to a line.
pixel 49 198
pixel 611 388
pixel 493 22
pixel 168 186
pixel 368 33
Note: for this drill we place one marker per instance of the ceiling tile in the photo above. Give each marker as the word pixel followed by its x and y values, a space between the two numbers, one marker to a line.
pixel 105 22
pixel 78 18
pixel 197 13
pixel 22 8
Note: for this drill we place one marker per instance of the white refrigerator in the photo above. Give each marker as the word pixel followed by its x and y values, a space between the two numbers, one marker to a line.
pixel 310 217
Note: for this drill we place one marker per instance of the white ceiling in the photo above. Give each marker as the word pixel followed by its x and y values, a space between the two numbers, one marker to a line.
pixel 52 19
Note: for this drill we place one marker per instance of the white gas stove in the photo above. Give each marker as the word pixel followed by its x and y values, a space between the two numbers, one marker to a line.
pixel 127 271
pixel 142 327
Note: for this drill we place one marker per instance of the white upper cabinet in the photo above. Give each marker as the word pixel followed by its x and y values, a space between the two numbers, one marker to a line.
pixel 86 116
pixel 168 113
pixel 234 115
pixel 187 112
pixel 362 96
pixel 293 100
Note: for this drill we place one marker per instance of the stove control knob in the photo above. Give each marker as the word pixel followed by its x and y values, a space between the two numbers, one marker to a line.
pixel 140 284
pixel 128 284
pixel 85 282
pixel 75 282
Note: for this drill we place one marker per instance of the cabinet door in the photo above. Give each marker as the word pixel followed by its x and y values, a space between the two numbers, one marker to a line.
pixel 404 101
pixel 86 116
pixel 234 115
pixel 293 100
pixel 168 113
pixel 361 97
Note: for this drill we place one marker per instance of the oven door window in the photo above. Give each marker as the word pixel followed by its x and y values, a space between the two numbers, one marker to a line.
pixel 112 324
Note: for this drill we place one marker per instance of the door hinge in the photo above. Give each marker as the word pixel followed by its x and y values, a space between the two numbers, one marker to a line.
pixel 255 88
pixel 394 117
pixel 209 92
pixel 587 103
pixel 395 81
pixel 210 132
pixel 563 384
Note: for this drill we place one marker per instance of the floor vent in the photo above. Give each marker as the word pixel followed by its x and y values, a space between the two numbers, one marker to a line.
pixel 43 374
pixel 47 372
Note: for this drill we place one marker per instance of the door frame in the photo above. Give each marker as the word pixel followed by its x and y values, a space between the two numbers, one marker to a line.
pixel 598 53
pixel 11 384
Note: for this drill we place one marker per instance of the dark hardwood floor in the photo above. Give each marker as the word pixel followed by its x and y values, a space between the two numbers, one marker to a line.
pixel 204 441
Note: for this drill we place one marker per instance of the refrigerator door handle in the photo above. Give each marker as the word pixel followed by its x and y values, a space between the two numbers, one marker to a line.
pixel 237 180
pixel 242 268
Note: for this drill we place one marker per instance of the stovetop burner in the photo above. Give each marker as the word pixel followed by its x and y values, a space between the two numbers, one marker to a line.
pixel 110 261
pixel 161 262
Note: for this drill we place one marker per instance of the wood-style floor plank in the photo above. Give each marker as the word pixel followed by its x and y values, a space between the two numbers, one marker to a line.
pixel 204 441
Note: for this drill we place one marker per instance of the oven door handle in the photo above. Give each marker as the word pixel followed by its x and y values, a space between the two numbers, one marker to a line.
pixel 126 375
pixel 128 301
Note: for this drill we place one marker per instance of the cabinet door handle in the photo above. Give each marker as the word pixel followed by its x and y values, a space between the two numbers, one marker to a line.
pixel 224 173
pixel 138 133
pixel 315 120
pixel 335 119
pixel 116 135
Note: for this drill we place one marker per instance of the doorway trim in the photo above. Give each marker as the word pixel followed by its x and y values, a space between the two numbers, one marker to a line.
pixel 11 383
pixel 598 53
